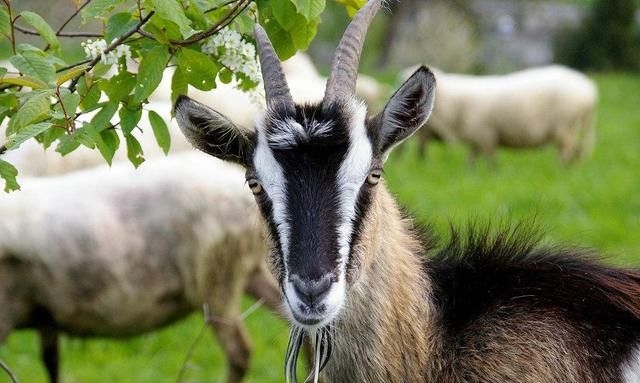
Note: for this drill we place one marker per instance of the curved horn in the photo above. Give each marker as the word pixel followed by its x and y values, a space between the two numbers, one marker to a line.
pixel 344 71
pixel 276 89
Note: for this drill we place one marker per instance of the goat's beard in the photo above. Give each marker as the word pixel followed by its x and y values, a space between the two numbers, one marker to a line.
pixel 321 355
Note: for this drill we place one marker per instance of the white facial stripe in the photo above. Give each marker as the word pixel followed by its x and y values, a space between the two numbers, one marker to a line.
pixel 352 174
pixel 631 368
pixel 286 134
pixel 273 182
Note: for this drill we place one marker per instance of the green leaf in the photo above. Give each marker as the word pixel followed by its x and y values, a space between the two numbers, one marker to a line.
pixel 134 150
pixel 34 65
pixel 310 9
pixel 198 69
pixel 281 40
pixel 119 86
pixel 118 24
pixel 70 102
pixel 225 75
pixel 244 23
pixel 129 119
pixel 37 105
pixel 42 27
pixel 179 85
pixel 67 144
pixel 111 142
pixel 85 135
pixel 27 81
pixel 9 173
pixel 98 8
pixel 172 11
pixel 102 119
pixel 5 23
pixel 303 32
pixel 285 13
pixel 151 70
pixel 106 143
pixel 49 136
pixel 68 75
pixel 160 131
pixel 91 96
pixel 195 13
pixel 29 132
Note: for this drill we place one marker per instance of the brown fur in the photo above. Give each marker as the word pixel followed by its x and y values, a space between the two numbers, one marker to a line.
pixel 389 330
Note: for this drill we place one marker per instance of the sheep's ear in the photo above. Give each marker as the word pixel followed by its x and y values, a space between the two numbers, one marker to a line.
pixel 213 133
pixel 407 110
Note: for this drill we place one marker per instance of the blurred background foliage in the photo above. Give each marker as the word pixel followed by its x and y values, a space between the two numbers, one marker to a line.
pixel 493 36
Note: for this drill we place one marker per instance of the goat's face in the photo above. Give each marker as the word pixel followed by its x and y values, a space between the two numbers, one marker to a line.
pixel 314 169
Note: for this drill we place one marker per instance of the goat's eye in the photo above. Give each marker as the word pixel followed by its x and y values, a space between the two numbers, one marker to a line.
pixel 374 176
pixel 255 186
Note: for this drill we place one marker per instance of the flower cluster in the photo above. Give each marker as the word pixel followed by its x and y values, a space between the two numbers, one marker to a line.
pixel 97 48
pixel 239 56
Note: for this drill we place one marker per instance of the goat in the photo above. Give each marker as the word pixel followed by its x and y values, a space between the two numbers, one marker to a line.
pixel 352 272
pixel 119 252
pixel 525 109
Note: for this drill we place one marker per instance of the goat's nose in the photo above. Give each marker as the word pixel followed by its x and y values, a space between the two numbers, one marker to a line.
pixel 311 292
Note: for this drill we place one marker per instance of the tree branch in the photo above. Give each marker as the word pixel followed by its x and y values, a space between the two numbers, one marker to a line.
pixel 27 31
pixel 73 65
pixel 112 46
pixel 59 31
pixel 12 22
pixel 226 20
pixel 220 6
pixel 4 366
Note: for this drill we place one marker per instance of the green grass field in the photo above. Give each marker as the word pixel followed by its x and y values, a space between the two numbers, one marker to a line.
pixel 595 203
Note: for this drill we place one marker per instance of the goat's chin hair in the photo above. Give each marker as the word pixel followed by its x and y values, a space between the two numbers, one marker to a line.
pixel 323 341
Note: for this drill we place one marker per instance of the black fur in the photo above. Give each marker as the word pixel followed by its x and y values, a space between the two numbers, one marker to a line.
pixel 490 275
pixel 312 192
pixel 214 133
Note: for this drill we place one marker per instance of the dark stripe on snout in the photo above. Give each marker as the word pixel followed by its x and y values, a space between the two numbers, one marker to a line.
pixel 312 192
pixel 313 208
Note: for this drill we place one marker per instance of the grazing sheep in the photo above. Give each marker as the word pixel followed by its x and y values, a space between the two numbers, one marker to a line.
pixel 525 109
pixel 118 252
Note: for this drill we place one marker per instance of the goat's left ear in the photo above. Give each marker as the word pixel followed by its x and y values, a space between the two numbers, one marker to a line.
pixel 213 133
pixel 407 110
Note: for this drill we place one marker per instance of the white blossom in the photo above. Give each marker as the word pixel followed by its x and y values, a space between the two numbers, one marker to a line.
pixel 239 56
pixel 93 49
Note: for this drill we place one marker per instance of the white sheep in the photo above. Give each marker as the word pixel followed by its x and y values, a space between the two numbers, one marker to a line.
pixel 524 109
pixel 117 252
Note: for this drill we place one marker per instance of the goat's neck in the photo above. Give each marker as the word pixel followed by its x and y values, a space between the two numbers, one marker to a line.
pixel 383 332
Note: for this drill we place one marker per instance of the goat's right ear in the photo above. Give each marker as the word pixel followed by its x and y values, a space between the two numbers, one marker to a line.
pixel 213 133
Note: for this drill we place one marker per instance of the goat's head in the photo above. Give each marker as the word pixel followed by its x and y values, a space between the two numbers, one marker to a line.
pixel 314 168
